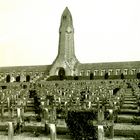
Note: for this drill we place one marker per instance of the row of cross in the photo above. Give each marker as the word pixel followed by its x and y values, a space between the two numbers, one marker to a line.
pixel 81 97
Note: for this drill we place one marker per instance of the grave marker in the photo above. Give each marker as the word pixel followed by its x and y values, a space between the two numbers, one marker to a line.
pixel 10 131
pixel 52 131
pixel 111 118
pixel 100 132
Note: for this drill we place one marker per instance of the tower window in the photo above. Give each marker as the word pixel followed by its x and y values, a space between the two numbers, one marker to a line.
pixel 64 17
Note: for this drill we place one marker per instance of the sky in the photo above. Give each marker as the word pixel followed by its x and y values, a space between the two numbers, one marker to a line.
pixel 104 30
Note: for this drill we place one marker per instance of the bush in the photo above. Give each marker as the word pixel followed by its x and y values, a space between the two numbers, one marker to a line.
pixel 76 77
pixel 80 126
pixel 122 76
pixel 138 75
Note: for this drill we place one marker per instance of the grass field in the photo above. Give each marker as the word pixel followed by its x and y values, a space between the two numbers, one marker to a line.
pixel 29 136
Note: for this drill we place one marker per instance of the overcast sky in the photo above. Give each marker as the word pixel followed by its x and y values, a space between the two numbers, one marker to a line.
pixel 105 30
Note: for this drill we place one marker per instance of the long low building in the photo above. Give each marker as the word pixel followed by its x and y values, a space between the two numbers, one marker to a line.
pixel 66 62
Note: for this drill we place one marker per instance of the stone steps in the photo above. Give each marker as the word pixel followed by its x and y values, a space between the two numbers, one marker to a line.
pixel 123 127
pixel 129 102
pixel 126 118
pixel 123 118
pixel 127 129
pixel 33 125
pixel 130 96
pixel 129 111
pixel 28 109
pixel 120 138
pixel 130 106
pixel 130 99
pixel 28 116
pixel 30 136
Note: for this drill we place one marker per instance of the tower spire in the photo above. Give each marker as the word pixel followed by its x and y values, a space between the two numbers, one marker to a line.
pixel 66 58
pixel 66 19
pixel 66 12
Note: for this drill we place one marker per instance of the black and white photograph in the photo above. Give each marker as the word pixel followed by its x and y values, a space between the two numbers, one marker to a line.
pixel 70 70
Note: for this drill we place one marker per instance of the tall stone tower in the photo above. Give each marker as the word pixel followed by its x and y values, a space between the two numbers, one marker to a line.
pixel 66 59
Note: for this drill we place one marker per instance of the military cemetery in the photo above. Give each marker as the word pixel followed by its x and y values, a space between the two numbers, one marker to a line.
pixel 70 100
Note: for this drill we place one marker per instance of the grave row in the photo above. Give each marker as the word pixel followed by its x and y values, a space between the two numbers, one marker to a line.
pixel 68 97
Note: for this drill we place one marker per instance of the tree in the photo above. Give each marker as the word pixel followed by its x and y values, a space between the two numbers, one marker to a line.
pixel 122 76
pixel 138 75
pixel 76 77
pixel 106 76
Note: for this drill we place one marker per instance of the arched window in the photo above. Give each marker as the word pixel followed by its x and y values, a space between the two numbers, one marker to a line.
pixel 61 73
pixel 110 72
pixel 125 72
pixel 88 72
pixel 18 78
pixel 96 72
pixel 102 72
pixel 133 71
pixel 91 76
pixel 82 73
pixel 27 78
pixel 118 71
